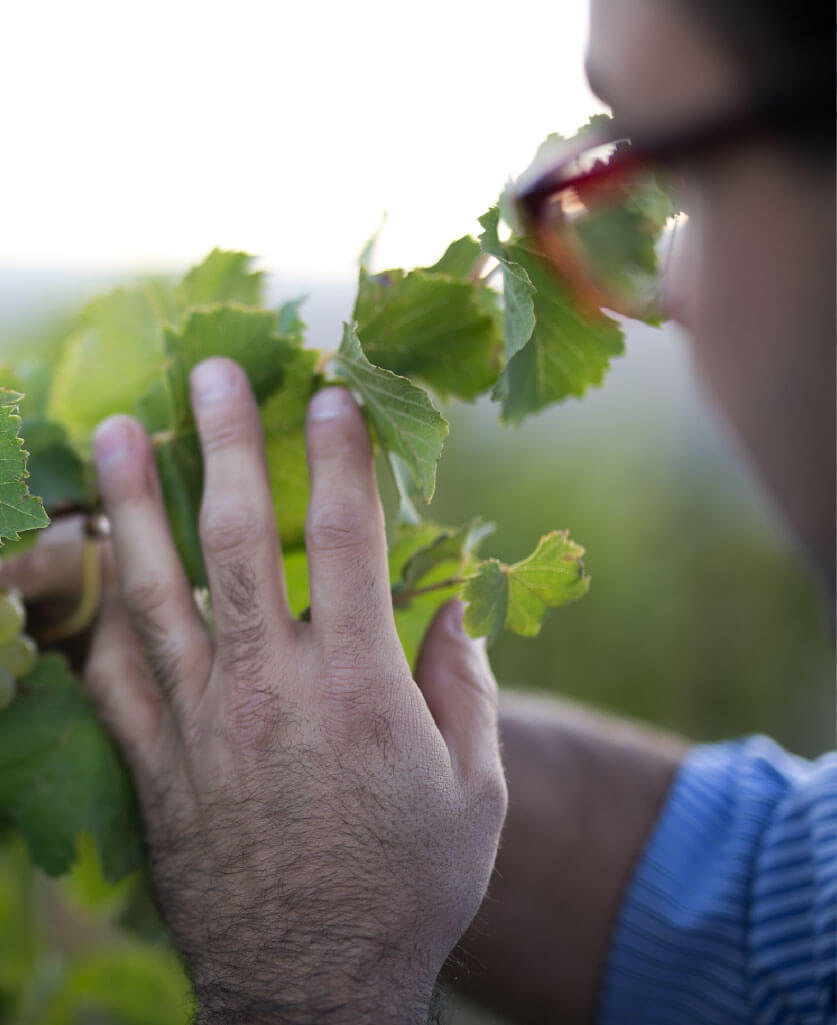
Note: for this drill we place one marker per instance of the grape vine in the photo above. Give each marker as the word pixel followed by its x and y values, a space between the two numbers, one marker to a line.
pixel 486 319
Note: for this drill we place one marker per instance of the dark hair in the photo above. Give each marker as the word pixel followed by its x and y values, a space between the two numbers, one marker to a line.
pixel 788 48
pixel 760 31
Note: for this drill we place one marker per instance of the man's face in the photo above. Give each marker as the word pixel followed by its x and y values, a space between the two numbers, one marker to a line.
pixel 752 275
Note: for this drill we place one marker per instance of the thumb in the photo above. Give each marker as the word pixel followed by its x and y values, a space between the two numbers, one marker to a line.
pixel 454 676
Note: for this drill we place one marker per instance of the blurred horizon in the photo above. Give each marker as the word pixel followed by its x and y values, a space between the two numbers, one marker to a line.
pixel 289 132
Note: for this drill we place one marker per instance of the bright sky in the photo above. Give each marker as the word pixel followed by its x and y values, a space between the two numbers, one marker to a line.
pixel 139 135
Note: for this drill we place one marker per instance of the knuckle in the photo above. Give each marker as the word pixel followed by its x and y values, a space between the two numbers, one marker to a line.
pixel 230 527
pixel 491 794
pixel 235 428
pixel 357 701
pixel 345 666
pixel 348 669
pixel 254 717
pixel 338 527
pixel 352 719
pixel 144 594
pixel 242 654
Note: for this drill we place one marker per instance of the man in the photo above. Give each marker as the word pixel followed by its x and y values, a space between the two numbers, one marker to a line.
pixel 322 827
pixel 633 886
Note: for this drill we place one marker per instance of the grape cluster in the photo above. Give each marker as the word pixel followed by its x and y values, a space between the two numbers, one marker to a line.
pixel 17 650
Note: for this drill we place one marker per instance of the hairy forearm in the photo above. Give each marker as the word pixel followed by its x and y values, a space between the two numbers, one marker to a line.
pixel 584 793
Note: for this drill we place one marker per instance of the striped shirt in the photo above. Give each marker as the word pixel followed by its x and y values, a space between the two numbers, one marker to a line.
pixel 731 915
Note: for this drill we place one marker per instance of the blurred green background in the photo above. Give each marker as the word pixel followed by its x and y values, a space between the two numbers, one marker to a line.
pixel 701 618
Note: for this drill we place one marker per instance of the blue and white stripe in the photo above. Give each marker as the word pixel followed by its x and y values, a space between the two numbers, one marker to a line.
pixel 731 916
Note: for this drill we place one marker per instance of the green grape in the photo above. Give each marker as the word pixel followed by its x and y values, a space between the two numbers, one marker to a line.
pixel 19 656
pixel 8 688
pixel 12 616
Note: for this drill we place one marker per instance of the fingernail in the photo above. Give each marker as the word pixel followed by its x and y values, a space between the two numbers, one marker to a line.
pixel 329 404
pixel 211 380
pixel 112 440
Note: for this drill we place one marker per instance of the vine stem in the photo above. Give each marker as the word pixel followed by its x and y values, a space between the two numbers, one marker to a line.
pixel 91 595
pixel 402 597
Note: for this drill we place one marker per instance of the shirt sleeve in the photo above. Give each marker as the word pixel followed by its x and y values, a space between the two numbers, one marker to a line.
pixel 731 915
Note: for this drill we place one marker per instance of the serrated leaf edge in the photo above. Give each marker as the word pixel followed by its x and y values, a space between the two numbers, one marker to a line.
pixel 10 399
pixel 349 370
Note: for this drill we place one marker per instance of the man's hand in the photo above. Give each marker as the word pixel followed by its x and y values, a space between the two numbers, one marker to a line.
pixel 321 827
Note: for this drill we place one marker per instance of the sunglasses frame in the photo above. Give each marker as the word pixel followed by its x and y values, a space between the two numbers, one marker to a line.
pixel 779 115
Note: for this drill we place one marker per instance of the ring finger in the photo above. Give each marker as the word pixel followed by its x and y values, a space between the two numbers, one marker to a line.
pixel 238 524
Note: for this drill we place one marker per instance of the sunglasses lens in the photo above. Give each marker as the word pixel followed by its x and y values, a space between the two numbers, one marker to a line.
pixel 605 229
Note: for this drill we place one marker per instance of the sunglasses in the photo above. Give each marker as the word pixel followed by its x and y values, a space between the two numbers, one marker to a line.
pixel 603 208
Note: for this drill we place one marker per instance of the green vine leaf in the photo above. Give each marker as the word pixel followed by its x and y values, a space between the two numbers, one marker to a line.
pixel 180 465
pixel 57 473
pixel 518 290
pixel 517 597
pixel 60 775
pixel 404 419
pixel 568 352
pixel 223 277
pixel 248 336
pixel 459 259
pixel 283 422
pixel 408 491
pixel 291 324
pixel 436 327
pixel 453 549
pixel 553 348
pixel 487 594
pixel 19 510
pixel 427 563
pixel 180 468
pixel 114 355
